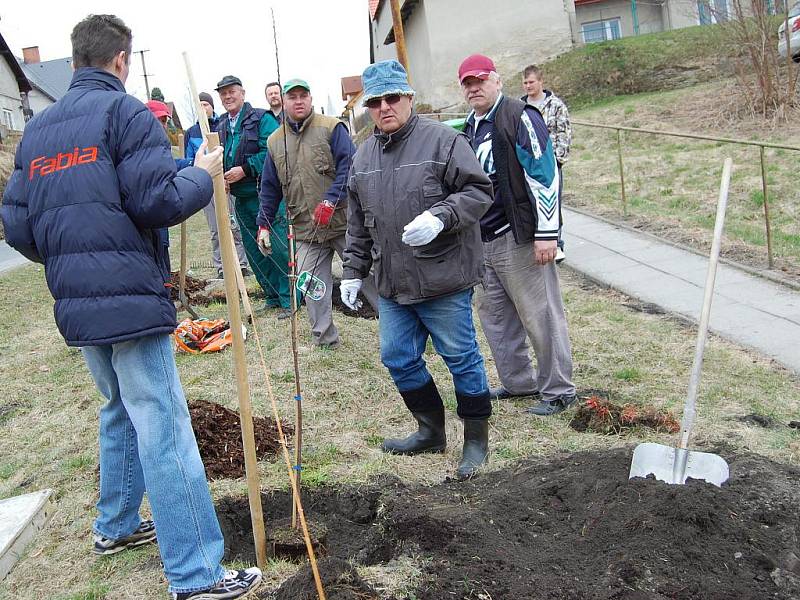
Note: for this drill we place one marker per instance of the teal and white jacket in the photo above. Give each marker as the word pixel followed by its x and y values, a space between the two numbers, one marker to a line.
pixel 536 158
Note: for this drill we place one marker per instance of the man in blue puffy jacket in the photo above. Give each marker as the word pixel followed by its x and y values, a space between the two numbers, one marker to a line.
pixel 94 185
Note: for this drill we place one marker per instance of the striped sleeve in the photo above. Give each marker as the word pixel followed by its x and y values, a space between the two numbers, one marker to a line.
pixel 538 161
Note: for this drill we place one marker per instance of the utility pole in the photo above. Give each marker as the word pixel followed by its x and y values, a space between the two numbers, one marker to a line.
pixel 399 36
pixel 144 71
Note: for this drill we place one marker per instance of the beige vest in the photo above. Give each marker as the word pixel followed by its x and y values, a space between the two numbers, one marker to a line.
pixel 311 172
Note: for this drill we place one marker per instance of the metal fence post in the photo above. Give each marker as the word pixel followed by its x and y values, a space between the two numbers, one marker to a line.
pixel 766 208
pixel 622 173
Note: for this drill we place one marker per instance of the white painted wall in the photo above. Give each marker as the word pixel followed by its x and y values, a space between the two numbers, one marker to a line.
pixel 441 33
pixel 9 96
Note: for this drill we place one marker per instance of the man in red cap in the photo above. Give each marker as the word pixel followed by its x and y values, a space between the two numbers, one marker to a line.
pixel 520 297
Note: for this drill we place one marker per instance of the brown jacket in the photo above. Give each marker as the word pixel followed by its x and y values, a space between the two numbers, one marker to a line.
pixel 311 173
pixel 423 166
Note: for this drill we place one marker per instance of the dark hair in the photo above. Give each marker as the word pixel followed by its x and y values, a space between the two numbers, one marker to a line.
pixel 532 70
pixel 98 39
pixel 270 84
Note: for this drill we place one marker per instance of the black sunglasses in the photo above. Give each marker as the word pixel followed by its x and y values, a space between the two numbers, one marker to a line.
pixel 391 100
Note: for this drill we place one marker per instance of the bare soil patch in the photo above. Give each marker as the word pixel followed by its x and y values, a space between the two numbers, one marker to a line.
pixel 569 527
pixel 219 438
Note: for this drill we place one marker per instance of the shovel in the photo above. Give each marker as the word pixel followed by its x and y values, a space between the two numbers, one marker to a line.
pixel 676 465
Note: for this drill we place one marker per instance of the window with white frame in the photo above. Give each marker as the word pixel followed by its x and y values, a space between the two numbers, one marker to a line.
pixel 600 31
pixel 8 118
pixel 712 11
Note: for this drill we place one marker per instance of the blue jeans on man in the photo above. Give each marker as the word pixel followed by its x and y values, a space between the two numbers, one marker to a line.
pixel 147 444
pixel 404 333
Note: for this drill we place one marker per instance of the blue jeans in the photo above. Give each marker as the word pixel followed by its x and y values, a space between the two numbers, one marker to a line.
pixel 404 333
pixel 147 443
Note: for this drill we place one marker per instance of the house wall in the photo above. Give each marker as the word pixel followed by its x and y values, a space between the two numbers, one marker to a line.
pixel 38 101
pixel 441 33
pixel 680 13
pixel 9 95
pixel 650 15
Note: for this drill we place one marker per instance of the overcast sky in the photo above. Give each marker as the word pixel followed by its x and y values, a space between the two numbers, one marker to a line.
pixel 319 40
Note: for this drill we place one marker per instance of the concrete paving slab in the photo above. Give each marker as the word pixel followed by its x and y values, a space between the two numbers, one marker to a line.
pixel 10 258
pixel 21 519
pixel 746 309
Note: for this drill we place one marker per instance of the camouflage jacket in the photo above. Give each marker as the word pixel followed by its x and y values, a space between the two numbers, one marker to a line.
pixel 556 116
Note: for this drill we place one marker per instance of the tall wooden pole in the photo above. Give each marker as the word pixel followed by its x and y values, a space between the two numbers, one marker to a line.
pixel 182 273
pixel 400 36
pixel 230 265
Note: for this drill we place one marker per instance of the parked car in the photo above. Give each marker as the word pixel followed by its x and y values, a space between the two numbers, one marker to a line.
pixel 794 34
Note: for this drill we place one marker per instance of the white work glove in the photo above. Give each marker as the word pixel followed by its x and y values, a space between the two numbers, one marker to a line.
pixel 263 241
pixel 422 230
pixel 349 290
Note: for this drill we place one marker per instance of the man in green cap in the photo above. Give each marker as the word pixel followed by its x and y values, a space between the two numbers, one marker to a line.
pixel 243 133
pixel 307 164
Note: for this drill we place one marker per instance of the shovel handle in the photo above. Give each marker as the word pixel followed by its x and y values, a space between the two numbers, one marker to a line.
pixel 689 409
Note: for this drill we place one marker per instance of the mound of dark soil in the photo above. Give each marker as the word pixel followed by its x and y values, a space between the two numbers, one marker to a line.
pixel 365 312
pixel 339 580
pixel 219 438
pixel 573 527
pixel 195 289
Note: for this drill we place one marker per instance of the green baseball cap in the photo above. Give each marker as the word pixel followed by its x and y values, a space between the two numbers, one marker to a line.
pixel 293 83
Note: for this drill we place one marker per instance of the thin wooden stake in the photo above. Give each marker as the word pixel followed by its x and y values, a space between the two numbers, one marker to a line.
pixel 770 258
pixel 622 173
pixel 182 273
pixel 230 264
pixel 400 36
pixel 298 394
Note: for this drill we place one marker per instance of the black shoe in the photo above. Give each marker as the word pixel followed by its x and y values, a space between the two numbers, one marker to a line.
pixel 220 274
pixel 144 534
pixel 501 393
pixel 552 407
pixel 246 272
pixel 236 584
pixel 284 313
pixel 429 437
pixel 476 447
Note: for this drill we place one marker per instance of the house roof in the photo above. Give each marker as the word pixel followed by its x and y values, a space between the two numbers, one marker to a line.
pixel 373 8
pixel 51 77
pixel 351 86
pixel 22 81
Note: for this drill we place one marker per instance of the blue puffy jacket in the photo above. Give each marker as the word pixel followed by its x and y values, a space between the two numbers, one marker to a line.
pixel 94 185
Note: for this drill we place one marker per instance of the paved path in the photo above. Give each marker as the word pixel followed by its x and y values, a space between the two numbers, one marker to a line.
pixel 9 258
pixel 746 309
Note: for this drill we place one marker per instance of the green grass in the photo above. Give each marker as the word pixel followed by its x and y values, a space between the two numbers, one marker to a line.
pixel 672 185
pixel 594 74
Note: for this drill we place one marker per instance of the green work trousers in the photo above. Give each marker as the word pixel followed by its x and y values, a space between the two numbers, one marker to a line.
pixel 271 271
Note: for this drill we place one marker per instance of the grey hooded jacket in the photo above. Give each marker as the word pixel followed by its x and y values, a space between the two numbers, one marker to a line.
pixel 423 166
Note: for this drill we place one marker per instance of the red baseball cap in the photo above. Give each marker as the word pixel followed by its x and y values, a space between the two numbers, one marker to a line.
pixel 476 65
pixel 159 109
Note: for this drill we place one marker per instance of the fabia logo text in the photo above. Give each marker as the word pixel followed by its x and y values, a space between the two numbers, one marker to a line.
pixel 44 165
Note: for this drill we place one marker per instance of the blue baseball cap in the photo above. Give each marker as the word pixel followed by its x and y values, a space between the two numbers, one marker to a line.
pixel 383 79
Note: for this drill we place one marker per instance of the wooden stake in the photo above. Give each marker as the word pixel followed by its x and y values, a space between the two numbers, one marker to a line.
pixel 298 395
pixel 230 264
pixel 400 36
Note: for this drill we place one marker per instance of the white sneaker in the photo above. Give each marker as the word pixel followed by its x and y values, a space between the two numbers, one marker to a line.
pixel 560 256
pixel 236 584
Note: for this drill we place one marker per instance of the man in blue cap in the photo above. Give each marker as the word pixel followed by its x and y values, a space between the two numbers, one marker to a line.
pixel 417 193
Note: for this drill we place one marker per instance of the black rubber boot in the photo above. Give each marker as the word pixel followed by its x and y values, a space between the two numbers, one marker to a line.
pixel 429 437
pixel 476 447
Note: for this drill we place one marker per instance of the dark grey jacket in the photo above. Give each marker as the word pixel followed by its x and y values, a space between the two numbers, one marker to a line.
pixel 423 166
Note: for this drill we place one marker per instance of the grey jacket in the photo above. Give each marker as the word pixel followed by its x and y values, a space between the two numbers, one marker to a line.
pixel 423 166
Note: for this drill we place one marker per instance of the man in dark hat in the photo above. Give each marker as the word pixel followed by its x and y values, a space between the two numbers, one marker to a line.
pixel 243 133
pixel 194 138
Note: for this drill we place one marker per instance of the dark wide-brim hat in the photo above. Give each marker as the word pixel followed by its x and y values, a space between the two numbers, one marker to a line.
pixel 385 78
pixel 228 80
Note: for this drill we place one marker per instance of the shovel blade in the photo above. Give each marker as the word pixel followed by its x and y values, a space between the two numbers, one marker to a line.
pixel 676 465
